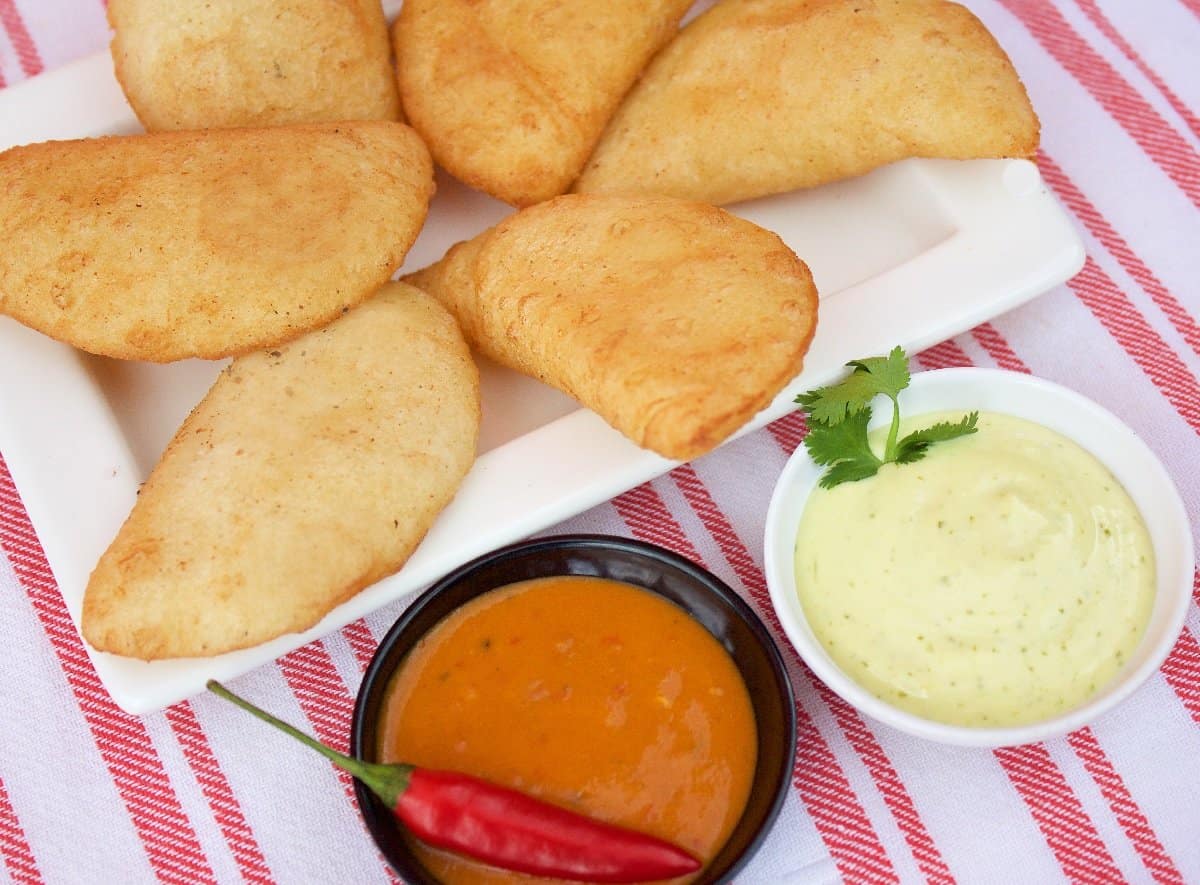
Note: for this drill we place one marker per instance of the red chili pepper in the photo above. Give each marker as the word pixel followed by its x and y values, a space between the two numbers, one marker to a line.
pixel 499 826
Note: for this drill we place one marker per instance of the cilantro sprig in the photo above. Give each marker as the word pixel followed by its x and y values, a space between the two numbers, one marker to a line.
pixel 839 413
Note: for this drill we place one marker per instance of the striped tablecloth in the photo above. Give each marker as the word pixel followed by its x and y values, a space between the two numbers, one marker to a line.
pixel 199 793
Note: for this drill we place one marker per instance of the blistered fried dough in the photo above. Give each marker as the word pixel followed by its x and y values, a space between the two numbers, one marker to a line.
pixel 179 244
pixel 186 65
pixel 306 474
pixel 766 96
pixel 676 322
pixel 511 95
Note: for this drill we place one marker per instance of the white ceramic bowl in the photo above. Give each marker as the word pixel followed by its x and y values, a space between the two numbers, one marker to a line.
pixel 1068 413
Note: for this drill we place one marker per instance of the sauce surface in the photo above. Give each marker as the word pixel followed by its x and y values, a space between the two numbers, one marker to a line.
pixel 1002 580
pixel 590 693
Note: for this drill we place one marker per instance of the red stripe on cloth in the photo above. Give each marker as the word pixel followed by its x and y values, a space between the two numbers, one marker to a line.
pixel 1182 672
pixel 217 792
pixel 19 861
pixel 1117 313
pixel 1193 5
pixel 1100 228
pixel 839 817
pixel 947 355
pixel 790 430
pixel 997 348
pixel 1102 23
pixel 362 643
pixel 122 740
pixel 1128 815
pixel 325 700
pixel 823 788
pixel 1059 814
pixel 18 35
pixel 860 737
pixel 1166 147
pixel 322 695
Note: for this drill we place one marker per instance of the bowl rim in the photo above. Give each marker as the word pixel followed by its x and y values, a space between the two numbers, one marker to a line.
pixel 1017 394
pixel 377 674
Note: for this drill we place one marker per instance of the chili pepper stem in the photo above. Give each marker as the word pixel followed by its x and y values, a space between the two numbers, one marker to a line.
pixel 386 781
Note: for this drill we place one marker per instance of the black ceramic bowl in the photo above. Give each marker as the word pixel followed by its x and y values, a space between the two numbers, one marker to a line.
pixel 709 601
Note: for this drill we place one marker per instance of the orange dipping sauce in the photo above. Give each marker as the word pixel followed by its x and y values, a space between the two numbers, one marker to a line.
pixel 593 694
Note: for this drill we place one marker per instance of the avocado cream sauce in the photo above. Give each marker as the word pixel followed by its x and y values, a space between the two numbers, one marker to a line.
pixel 1002 580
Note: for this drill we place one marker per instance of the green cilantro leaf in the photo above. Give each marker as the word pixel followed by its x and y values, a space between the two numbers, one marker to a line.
pixel 913 447
pixel 838 415
pixel 846 441
pixel 887 375
pixel 848 471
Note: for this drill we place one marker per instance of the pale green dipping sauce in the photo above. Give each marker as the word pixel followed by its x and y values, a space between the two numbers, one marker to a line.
pixel 1004 579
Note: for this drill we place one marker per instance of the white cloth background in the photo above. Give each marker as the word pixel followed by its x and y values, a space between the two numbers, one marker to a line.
pixel 200 793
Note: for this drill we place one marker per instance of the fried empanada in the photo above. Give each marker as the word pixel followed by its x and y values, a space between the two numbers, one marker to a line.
pixel 511 95
pixel 180 244
pixel 186 65
pixel 306 474
pixel 765 96
pixel 675 321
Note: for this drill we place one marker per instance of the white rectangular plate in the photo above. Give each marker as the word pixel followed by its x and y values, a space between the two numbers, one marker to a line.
pixel 911 254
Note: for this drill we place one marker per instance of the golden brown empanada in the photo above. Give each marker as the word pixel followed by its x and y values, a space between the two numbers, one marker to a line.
pixel 675 321
pixel 763 96
pixel 511 95
pixel 306 473
pixel 188 65
pixel 206 244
